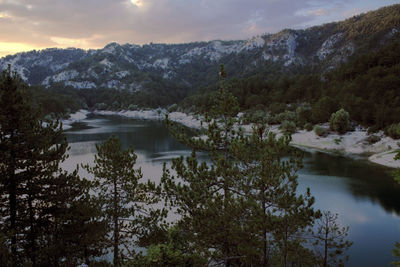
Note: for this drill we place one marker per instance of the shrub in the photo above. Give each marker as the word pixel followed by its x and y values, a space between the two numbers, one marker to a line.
pixel 393 131
pixel 303 115
pixel 172 108
pixel 372 139
pixel 308 126
pixel 101 106
pixel 322 109
pixel 259 116
pixel 132 107
pixel 285 116
pixel 288 127
pixel 115 105
pixel 320 131
pixel 340 121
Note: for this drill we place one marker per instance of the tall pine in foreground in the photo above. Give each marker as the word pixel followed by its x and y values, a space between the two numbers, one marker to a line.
pixel 241 208
pixel 125 201
pixel 208 197
pixel 37 197
pixel 278 215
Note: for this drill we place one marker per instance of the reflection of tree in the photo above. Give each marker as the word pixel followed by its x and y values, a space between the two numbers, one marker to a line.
pixel 367 181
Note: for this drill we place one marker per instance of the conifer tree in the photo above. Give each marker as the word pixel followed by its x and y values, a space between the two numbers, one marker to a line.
pixel 124 199
pixel 277 214
pixel 209 200
pixel 35 194
pixel 330 241
pixel 242 207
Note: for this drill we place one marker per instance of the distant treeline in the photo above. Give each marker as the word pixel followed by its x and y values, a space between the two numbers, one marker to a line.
pixel 367 87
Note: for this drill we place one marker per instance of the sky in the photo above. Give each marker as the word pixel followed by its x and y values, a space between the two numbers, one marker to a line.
pixel 38 24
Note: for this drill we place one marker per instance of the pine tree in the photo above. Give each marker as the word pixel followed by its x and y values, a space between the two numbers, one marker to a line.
pixel 330 241
pixel 278 214
pixel 124 200
pixel 208 198
pixel 35 193
pixel 242 207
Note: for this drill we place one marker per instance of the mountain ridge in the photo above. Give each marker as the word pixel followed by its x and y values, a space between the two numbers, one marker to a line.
pixel 143 67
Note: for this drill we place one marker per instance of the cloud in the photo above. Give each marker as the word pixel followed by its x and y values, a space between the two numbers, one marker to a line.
pixel 94 23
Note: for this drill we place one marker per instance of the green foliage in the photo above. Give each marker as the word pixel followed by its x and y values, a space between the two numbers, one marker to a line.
pixel 246 193
pixel 278 217
pixel 256 116
pixel 396 253
pixel 372 139
pixel 288 127
pixel 174 252
pixel 323 108
pixel 285 116
pixel 340 121
pixel 330 241
pixel 133 107
pixel 320 131
pixel 40 203
pixel 124 200
pixel 308 126
pixel 172 108
pixel 393 131
pixel 56 100
pixel 100 106
pixel 303 115
pixel 206 200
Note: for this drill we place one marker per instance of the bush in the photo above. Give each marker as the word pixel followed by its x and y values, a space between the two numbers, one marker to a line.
pixel 100 106
pixel 322 109
pixel 303 115
pixel 308 126
pixel 285 116
pixel 172 108
pixel 259 116
pixel 320 131
pixel 132 107
pixel 288 127
pixel 372 139
pixel 115 105
pixel 393 131
pixel 340 121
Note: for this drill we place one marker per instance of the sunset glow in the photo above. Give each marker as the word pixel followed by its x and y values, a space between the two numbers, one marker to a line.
pixel 26 25
pixel 137 3
pixel 12 48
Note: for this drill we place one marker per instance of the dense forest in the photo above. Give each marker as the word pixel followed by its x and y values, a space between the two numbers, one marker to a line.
pixel 367 87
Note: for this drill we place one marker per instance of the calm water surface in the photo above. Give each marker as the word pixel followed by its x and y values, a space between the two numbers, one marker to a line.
pixel 363 194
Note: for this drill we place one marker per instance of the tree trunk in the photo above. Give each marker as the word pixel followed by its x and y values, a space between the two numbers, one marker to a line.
pixel 32 231
pixel 12 189
pixel 264 260
pixel 326 248
pixel 116 228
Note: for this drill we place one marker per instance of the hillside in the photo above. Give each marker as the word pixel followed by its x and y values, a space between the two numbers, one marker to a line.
pixel 136 68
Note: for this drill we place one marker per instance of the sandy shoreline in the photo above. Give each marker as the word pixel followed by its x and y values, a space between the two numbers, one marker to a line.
pixel 74 117
pixel 351 143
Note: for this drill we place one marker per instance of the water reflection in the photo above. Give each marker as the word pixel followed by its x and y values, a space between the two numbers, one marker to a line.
pixel 364 194
pixel 363 179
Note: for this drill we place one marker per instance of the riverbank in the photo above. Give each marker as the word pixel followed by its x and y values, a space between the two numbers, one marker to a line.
pixel 381 152
pixel 352 143
pixel 74 117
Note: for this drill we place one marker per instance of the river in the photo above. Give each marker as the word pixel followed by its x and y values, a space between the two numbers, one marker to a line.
pixel 362 193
